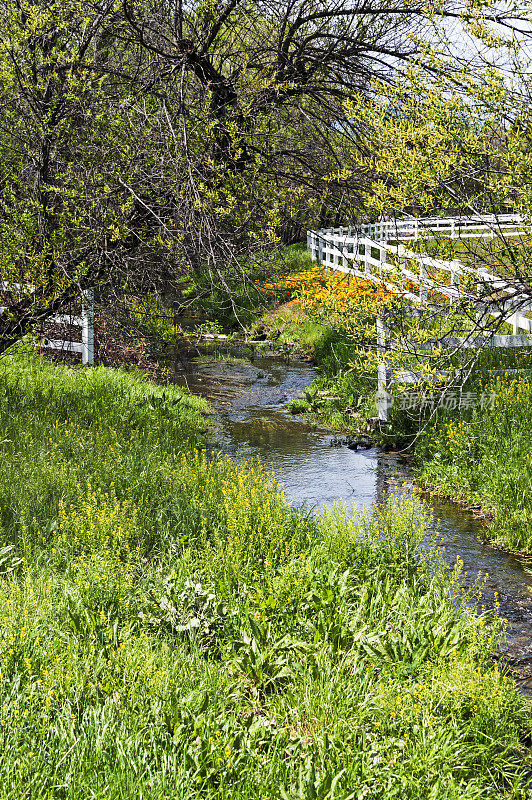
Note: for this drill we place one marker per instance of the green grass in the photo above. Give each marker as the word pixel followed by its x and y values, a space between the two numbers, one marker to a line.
pixel 171 628
pixel 483 456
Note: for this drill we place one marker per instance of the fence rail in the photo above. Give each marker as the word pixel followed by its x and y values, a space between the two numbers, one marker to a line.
pixel 374 260
pixel 480 226
pixel 85 321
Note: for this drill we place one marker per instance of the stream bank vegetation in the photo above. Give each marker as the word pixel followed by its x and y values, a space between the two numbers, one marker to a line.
pixel 481 456
pixel 313 313
pixel 423 158
pixel 171 625
pixel 471 438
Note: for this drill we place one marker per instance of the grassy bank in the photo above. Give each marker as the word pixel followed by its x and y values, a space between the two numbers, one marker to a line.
pixel 171 628
pixel 483 457
pixel 237 304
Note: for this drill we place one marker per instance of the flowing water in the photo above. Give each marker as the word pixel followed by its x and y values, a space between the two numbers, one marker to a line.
pixel 249 398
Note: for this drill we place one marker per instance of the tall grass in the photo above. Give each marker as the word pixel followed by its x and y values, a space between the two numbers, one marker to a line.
pixel 171 628
pixel 483 456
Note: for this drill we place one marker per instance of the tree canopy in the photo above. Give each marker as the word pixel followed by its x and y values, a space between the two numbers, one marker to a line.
pixel 144 141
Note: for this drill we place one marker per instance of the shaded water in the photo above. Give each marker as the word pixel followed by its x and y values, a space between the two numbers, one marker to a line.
pixel 251 420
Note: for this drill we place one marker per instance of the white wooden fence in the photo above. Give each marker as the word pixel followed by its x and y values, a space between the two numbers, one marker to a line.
pixel 481 226
pixel 372 260
pixel 85 321
pixel 353 251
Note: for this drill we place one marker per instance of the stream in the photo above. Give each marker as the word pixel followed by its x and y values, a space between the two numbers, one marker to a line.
pixel 249 400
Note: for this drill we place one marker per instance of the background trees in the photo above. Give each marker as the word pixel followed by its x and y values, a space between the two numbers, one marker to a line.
pixel 146 141
pixel 65 221
pixel 460 147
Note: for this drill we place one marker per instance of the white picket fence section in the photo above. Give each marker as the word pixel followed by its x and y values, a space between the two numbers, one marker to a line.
pixel 365 252
pixel 85 321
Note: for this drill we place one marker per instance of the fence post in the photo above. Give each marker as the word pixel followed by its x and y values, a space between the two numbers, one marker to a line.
pixel 480 314
pixel 384 375
pixel 423 274
pixel 87 313
pixel 382 259
pixel 402 266
pixel 336 247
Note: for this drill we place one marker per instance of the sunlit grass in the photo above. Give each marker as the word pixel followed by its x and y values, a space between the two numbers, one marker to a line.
pixel 169 627
pixel 483 455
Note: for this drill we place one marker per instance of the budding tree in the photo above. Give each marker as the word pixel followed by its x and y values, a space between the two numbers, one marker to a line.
pixel 143 142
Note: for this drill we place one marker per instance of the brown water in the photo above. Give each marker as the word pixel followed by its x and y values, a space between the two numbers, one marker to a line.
pixel 251 420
